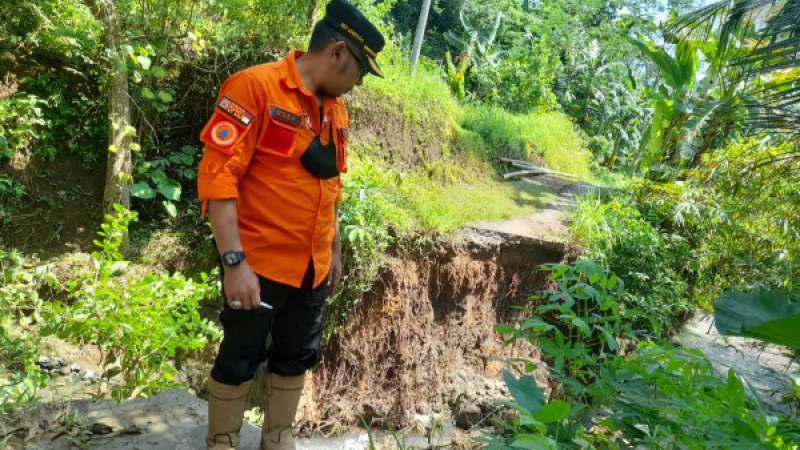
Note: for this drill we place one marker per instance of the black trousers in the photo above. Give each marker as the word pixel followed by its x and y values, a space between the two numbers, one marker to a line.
pixel 294 324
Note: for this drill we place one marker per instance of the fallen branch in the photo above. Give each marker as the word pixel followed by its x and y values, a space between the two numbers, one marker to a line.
pixel 522 173
pixel 529 166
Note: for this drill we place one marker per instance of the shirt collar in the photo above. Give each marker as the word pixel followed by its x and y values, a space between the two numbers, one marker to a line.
pixel 290 76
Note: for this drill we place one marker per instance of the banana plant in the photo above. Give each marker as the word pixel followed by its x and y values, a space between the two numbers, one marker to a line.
pixel 671 101
pixel 476 53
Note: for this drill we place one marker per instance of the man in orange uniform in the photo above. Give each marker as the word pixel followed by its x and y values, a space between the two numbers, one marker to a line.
pixel 269 180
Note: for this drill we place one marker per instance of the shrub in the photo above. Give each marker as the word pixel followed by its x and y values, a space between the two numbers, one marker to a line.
pixel 654 265
pixel 140 323
pixel 577 323
pixel 656 397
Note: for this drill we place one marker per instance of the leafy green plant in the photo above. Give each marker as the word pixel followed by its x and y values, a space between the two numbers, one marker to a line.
pixel 654 264
pixel 139 322
pixel 21 123
pixel 156 182
pixel 750 235
pixel 578 324
pixel 20 376
pixel 670 101
pixel 365 217
pixel 606 101
pixel 768 53
pixel 663 397
pixel 11 194
pixel 657 397
pixel 539 424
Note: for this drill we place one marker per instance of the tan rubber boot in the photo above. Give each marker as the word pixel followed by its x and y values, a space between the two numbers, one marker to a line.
pixel 283 395
pixel 226 407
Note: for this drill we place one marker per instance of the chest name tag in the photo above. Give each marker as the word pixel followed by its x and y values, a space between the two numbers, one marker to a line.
pixel 236 110
pixel 281 115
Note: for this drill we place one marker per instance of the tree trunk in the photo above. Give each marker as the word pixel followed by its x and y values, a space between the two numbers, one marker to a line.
pixel 420 34
pixel 119 166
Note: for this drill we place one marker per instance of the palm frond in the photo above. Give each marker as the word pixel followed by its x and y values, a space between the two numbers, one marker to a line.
pixel 776 24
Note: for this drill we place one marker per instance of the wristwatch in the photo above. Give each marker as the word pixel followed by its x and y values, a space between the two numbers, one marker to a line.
pixel 232 258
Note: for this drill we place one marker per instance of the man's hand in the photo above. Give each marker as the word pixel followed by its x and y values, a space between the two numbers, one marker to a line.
pixel 336 268
pixel 241 284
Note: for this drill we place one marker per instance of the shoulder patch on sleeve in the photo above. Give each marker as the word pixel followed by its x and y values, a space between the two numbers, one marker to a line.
pixel 237 111
pixel 222 132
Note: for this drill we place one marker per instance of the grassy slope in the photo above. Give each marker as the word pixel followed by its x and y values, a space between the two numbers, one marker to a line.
pixel 443 177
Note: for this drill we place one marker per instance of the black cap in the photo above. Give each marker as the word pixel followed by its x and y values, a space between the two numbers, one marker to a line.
pixel 348 20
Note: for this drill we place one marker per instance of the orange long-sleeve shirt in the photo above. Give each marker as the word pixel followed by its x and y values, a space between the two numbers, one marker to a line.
pixel 253 143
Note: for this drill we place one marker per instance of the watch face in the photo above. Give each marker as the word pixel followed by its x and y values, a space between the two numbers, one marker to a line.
pixel 231 258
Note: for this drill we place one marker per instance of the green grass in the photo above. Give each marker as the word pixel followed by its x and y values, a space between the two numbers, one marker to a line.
pixel 424 97
pixel 443 196
pixel 549 137
pixel 611 179
pixel 445 207
pixel 488 132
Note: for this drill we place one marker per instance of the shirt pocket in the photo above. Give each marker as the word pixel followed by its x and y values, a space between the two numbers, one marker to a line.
pixel 279 135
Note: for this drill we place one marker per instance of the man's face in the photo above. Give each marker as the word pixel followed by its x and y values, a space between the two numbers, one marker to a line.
pixel 343 72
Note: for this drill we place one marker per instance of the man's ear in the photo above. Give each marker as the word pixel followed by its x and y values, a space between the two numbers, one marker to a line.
pixel 337 50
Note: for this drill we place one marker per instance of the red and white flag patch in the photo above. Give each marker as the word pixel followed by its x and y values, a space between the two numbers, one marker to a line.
pixel 236 111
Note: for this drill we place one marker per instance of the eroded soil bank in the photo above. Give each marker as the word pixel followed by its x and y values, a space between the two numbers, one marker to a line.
pixel 423 342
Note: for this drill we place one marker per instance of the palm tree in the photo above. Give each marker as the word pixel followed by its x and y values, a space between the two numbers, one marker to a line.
pixel 772 57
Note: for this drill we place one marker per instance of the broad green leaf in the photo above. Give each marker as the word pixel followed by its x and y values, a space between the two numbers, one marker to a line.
pixel 771 316
pixel 165 96
pixel 502 328
pixel 549 347
pixel 581 325
pixel 181 158
pixel 158 176
pixel 554 411
pixel 148 94
pixel 534 442
pixel 170 189
pixel 610 341
pixel 158 72
pixel 143 190
pixel 525 391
